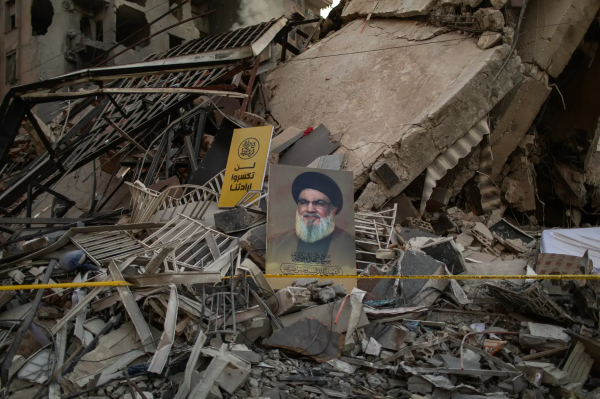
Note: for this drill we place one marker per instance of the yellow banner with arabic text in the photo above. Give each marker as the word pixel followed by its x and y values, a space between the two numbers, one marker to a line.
pixel 246 164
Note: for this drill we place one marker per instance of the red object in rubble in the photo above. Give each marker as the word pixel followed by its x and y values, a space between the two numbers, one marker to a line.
pixel 307 131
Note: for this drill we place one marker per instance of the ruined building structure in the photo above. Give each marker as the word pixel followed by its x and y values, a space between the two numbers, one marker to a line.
pixel 46 38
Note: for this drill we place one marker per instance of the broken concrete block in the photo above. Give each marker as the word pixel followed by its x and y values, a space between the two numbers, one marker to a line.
pixel 332 162
pixel 551 374
pixel 341 366
pixel 387 8
pixel 305 282
pixel 386 174
pixel 569 185
pixel 489 39
pixel 289 299
pixel 465 239
pixel 234 219
pixel 419 385
pixel 482 234
pixel 369 198
pixel 514 119
pixel 339 289
pixel 325 295
pixel 542 336
pixel 439 199
pixel 404 210
pixel 231 379
pixel 490 19
pixel 324 283
pixel 254 241
pixel 372 347
pixel 285 139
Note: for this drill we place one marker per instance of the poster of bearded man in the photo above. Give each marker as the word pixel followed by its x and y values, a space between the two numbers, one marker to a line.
pixel 310 224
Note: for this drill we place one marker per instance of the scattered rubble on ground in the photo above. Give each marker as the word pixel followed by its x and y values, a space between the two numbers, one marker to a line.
pixel 463 157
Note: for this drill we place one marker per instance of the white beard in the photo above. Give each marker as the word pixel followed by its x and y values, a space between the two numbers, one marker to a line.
pixel 314 233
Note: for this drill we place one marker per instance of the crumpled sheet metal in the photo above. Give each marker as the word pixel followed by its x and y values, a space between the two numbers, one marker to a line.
pixel 309 337
pixel 490 196
pixel 531 299
pixel 449 159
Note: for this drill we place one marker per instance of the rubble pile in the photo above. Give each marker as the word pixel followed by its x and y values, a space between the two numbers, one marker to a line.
pixel 123 277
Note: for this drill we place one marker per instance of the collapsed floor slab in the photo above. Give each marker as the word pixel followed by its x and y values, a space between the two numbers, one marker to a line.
pixel 549 37
pixel 401 92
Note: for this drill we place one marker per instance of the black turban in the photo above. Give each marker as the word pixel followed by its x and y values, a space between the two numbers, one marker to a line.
pixel 320 182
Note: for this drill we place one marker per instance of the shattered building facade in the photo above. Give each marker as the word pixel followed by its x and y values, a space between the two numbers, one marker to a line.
pixel 46 38
pixel 471 131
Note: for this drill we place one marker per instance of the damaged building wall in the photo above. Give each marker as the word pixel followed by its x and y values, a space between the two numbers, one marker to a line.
pixel 72 34
pixel 547 40
pixel 407 94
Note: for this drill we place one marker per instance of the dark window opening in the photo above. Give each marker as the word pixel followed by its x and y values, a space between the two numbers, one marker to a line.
pixel 179 12
pixel 11 68
pixel 129 21
pixel 85 27
pixel 175 41
pixel 42 13
pixel 99 31
pixel 10 12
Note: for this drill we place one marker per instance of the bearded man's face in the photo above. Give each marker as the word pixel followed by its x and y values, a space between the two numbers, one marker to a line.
pixel 315 218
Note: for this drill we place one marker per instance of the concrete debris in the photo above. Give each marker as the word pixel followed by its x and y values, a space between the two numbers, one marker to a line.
pixel 482 112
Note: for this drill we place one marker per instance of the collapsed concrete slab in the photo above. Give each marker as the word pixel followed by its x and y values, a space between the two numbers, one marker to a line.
pixel 395 100
pixel 549 38
pixel 515 115
pixel 387 8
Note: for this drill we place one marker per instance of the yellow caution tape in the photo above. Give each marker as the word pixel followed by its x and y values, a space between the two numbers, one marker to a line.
pixel 425 277
pixel 64 285
pixel 454 277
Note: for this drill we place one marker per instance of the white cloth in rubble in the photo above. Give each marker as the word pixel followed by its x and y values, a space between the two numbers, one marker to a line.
pixel 573 242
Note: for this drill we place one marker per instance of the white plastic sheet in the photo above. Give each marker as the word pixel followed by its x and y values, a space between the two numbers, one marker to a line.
pixel 573 242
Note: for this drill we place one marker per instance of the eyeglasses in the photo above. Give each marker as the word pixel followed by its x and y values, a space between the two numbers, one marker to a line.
pixel 319 204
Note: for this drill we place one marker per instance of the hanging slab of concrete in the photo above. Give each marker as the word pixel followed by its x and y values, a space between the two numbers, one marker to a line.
pixel 552 30
pixel 515 115
pixel 387 8
pixel 405 100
